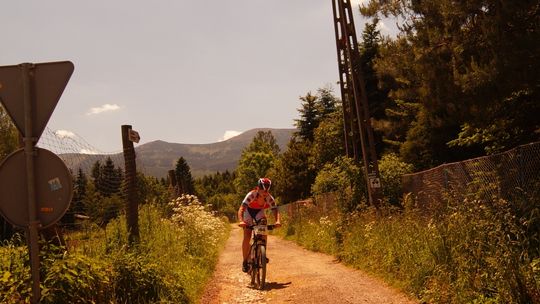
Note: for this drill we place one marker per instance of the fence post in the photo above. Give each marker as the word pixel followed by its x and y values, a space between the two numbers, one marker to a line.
pixel 132 208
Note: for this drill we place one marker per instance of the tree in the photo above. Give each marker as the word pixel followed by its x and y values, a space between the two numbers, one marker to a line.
pixel 292 175
pixel 183 177
pixel 256 161
pixel 80 186
pixel 309 117
pixel 326 102
pixel 473 68
pixel 328 141
pixel 264 141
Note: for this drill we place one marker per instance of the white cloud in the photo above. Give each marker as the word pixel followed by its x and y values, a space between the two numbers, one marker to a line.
pixel 104 108
pixel 229 134
pixel 64 134
pixel 382 27
pixel 86 151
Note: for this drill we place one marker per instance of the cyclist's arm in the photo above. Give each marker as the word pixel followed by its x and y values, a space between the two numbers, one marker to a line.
pixel 277 216
pixel 240 214
pixel 275 211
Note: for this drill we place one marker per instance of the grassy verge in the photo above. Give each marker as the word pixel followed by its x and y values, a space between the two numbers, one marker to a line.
pixel 175 257
pixel 473 252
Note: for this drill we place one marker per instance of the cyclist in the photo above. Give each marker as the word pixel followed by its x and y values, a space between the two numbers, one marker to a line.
pixel 252 208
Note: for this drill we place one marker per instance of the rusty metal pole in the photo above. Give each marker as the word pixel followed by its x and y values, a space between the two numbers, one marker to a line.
pixel 29 150
pixel 132 207
pixel 355 90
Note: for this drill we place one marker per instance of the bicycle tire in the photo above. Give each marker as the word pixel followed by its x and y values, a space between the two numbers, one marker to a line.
pixel 262 268
pixel 253 267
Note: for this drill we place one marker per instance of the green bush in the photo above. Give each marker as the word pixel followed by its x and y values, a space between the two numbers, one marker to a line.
pixel 344 178
pixel 391 169
pixel 74 278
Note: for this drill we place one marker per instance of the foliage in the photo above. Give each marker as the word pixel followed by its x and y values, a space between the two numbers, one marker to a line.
pixel 219 193
pixel 391 169
pixel 472 66
pixel 107 178
pixel 184 179
pixel 137 278
pixel 345 179
pixel 202 227
pixel 256 161
pixel 327 141
pixel 169 266
pixel 475 251
pixel 309 117
pixel 292 176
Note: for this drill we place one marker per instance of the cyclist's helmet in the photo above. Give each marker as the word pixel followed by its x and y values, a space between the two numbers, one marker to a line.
pixel 264 183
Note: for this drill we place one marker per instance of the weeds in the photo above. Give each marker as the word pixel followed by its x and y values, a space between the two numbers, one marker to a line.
pixel 171 264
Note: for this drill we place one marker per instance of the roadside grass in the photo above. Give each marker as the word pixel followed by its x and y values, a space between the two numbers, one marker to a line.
pixel 472 252
pixel 171 263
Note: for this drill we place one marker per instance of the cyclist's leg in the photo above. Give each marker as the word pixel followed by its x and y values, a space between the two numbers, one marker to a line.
pixel 245 242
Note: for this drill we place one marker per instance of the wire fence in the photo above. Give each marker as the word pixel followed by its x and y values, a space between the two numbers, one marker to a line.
pixel 98 180
pixel 504 175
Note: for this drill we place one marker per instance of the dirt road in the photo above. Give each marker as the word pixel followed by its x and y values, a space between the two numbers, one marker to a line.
pixel 295 275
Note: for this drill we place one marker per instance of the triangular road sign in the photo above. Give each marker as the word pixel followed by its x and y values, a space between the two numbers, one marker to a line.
pixel 47 83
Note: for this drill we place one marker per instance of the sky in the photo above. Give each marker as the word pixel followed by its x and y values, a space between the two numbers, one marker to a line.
pixel 195 72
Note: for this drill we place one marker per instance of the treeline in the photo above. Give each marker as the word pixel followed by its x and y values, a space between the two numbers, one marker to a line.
pixel 460 80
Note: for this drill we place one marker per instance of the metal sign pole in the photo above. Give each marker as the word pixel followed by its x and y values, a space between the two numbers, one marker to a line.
pixel 29 143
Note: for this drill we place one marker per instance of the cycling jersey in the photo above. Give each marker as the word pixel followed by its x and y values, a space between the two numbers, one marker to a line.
pixel 255 205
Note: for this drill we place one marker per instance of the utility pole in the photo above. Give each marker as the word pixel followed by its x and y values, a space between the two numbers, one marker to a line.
pixel 356 118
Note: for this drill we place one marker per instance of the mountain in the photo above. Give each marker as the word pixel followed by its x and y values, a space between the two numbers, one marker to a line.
pixel 158 157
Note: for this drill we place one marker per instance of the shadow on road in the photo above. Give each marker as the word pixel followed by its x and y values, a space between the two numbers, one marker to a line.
pixel 276 285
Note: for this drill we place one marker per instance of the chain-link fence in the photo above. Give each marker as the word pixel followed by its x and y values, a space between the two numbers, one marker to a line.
pixel 502 175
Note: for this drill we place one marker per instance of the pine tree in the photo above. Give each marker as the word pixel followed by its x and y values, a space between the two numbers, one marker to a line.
pixel 309 117
pixel 292 175
pixel 183 177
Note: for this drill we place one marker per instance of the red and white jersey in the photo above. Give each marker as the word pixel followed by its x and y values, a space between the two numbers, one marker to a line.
pixel 254 200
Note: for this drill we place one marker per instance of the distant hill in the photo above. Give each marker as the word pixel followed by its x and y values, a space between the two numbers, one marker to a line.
pixel 158 157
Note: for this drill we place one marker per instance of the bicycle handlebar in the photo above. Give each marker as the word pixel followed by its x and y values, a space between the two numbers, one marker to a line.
pixel 269 227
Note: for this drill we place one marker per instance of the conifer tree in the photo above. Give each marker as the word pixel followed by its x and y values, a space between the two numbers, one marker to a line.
pixel 183 177
pixel 309 117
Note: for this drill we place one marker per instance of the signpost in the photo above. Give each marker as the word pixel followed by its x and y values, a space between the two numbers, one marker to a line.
pixel 29 93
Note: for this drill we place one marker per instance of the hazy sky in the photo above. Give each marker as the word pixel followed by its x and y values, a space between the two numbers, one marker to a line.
pixel 180 71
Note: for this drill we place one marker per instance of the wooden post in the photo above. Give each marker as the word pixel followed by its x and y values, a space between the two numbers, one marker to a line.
pixel 132 207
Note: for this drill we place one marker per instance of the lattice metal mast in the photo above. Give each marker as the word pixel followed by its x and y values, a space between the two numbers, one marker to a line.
pixel 356 119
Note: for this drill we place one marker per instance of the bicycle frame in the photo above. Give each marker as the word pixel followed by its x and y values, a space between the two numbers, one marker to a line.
pixel 257 259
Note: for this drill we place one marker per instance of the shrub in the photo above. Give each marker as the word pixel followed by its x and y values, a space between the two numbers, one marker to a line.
pixel 344 178
pixel 391 169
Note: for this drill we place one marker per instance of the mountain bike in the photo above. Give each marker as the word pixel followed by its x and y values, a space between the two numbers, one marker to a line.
pixel 257 253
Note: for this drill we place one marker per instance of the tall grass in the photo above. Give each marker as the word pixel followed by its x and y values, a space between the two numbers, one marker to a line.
pixel 171 264
pixel 474 251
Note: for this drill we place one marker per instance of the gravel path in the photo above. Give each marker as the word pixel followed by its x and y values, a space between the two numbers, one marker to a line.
pixel 295 275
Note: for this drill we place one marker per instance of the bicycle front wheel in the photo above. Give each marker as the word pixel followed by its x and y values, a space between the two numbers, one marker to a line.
pixel 261 271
